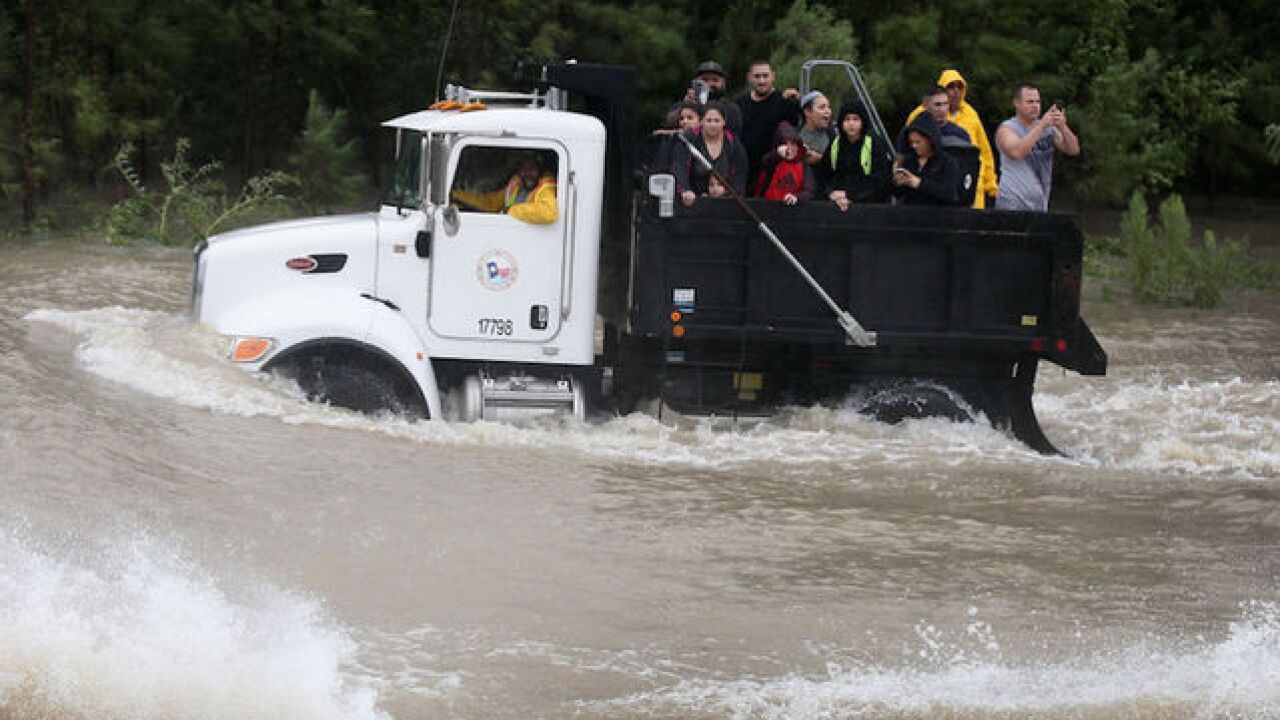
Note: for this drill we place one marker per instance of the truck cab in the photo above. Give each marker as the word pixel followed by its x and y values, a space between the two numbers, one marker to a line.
pixel 365 310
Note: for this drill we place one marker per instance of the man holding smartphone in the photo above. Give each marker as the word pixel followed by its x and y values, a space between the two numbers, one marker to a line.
pixel 1026 142
pixel 707 85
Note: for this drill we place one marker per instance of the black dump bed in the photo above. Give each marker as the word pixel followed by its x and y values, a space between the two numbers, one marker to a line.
pixel 988 283
pixel 964 303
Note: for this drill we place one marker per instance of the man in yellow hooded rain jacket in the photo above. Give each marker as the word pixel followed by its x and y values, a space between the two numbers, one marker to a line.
pixel 530 195
pixel 963 114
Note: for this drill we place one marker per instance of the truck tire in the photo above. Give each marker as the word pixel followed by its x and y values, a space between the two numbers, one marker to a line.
pixel 362 386
pixel 896 403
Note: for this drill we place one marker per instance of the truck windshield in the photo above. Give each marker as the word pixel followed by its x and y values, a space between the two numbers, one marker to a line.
pixel 405 190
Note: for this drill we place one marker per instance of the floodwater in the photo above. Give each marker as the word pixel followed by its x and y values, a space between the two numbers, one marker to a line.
pixel 179 539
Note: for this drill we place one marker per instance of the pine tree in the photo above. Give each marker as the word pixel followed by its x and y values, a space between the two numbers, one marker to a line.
pixel 325 162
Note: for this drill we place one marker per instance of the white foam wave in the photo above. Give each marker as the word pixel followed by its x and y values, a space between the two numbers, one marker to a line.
pixel 127 628
pixel 164 356
pixel 1221 427
pixel 1237 677
pixel 1211 427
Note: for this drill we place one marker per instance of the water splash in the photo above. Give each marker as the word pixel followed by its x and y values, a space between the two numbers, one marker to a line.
pixel 1212 427
pixel 968 677
pixel 1222 427
pixel 128 628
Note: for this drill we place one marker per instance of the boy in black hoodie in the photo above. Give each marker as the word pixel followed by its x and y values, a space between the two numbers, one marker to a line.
pixel 927 175
pixel 855 168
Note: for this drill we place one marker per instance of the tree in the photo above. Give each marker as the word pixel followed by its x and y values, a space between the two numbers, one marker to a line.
pixel 1146 120
pixel 325 160
pixel 807 32
pixel 27 151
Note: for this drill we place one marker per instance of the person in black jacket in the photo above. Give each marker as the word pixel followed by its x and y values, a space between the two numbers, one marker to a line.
pixel 763 108
pixel 927 175
pixel 855 168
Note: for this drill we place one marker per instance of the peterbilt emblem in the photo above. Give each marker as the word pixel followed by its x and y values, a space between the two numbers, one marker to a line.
pixel 496 270
pixel 318 264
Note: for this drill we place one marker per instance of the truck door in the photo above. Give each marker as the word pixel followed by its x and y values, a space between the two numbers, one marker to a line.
pixel 498 262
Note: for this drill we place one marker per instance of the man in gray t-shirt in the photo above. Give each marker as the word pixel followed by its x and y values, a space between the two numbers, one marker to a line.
pixel 1026 142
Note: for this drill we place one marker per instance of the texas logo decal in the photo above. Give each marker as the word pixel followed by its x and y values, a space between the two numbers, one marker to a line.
pixel 496 270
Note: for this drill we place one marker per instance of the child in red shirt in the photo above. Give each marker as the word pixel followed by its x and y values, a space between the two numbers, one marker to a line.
pixel 784 175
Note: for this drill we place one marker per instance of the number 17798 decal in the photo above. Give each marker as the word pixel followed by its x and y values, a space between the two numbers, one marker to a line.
pixel 496 326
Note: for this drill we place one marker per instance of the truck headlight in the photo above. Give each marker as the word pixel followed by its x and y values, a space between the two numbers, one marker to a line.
pixel 250 349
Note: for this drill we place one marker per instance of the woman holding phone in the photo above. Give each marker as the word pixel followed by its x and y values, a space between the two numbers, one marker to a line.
pixel 927 175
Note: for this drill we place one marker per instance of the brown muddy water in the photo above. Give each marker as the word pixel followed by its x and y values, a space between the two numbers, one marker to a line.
pixel 179 539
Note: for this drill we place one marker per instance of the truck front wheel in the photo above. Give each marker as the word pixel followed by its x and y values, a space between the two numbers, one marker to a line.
pixel 358 381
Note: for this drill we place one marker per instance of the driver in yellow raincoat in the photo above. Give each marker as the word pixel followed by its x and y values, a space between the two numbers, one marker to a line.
pixel 530 195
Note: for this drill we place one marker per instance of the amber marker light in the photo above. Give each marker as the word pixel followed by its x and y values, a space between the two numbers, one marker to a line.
pixel 249 349
pixel 676 316
pixel 677 331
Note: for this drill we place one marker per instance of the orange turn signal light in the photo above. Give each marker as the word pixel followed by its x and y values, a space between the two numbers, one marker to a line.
pixel 249 349
pixel 676 316
pixel 677 331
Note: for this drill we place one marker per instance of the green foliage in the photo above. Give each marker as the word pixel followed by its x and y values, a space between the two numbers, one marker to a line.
pixel 1273 143
pixel 808 32
pixel 1164 96
pixel 904 56
pixel 325 161
pixel 1146 120
pixel 1163 266
pixel 649 35
pixel 195 205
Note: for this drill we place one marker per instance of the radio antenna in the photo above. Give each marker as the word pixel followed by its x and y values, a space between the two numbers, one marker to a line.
pixel 444 50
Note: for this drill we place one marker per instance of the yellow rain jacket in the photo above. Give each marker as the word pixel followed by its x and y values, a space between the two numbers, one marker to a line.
pixel 538 208
pixel 968 119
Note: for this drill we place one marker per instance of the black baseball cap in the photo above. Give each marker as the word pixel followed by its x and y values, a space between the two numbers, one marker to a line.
pixel 710 66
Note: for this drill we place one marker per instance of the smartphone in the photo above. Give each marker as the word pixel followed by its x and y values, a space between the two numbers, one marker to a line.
pixel 701 91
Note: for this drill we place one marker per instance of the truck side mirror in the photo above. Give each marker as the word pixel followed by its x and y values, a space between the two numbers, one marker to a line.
pixel 663 187
pixel 452 220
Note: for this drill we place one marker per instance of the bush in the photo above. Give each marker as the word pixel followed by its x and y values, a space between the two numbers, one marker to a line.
pixel 195 205
pixel 1163 266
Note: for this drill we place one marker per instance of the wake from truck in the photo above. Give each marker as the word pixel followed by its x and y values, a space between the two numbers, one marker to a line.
pixel 1144 423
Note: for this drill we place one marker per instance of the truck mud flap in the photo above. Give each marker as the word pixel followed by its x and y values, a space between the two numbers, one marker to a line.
pixel 1007 404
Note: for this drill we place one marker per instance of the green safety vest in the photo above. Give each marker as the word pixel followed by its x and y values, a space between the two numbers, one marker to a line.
pixel 865 155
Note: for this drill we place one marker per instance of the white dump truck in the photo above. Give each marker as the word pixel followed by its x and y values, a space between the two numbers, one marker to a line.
pixel 444 303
